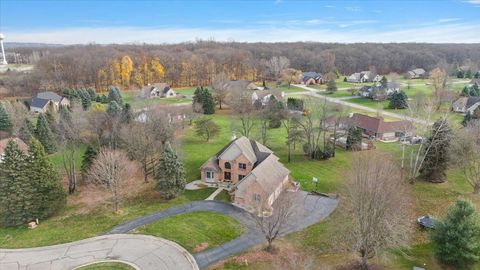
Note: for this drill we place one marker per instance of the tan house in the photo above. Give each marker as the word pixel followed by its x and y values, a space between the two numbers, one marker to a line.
pixel 250 171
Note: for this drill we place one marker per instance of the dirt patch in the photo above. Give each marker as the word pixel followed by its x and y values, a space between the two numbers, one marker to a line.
pixel 200 247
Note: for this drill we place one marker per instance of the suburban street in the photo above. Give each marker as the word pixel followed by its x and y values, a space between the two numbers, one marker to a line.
pixel 313 92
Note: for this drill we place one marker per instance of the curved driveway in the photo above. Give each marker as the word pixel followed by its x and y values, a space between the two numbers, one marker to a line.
pixel 145 252
pixel 309 209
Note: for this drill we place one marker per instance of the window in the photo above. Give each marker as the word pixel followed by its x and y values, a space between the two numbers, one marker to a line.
pixel 227 165
pixel 256 197
pixel 240 177
pixel 210 175
pixel 227 176
pixel 242 166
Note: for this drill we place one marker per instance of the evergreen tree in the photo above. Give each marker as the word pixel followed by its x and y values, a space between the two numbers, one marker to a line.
pixel 345 79
pixel 331 86
pixel 127 114
pixel 456 238
pixel 208 104
pixel 354 139
pixel 88 158
pixel 86 101
pixel 467 118
pixel 91 93
pixel 465 91
pixel 468 74
pixel 197 100
pixel 5 122
pixel 384 82
pixel 477 75
pixel 114 109
pixel 44 134
pixel 26 131
pixel 399 100
pixel 49 194
pixel 170 174
pixel 114 95
pixel 435 150
pixel 16 189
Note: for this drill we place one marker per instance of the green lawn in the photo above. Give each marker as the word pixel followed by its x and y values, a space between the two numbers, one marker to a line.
pixel 185 90
pixel 56 158
pixel 68 226
pixel 337 94
pixel 107 266
pixel 192 229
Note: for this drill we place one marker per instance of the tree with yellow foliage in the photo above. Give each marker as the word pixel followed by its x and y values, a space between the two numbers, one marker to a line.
pixel 157 68
pixel 126 70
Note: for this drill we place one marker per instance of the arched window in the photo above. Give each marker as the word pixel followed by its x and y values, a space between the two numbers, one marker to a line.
pixel 227 165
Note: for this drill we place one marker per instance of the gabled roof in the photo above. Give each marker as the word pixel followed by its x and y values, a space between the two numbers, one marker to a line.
pixel 418 71
pixel 38 102
pixel 311 75
pixel 49 96
pixel 471 101
pixel 269 174
pixel 243 146
pixel 377 125
pixel 239 85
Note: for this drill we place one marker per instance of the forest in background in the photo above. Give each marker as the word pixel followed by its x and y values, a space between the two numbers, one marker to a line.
pixel 197 63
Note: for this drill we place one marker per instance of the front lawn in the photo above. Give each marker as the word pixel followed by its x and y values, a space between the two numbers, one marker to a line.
pixel 133 98
pixel 195 228
pixel 69 225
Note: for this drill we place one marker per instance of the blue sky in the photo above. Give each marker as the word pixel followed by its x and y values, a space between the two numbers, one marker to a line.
pixel 71 22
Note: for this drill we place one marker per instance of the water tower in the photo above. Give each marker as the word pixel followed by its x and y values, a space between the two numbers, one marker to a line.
pixel 3 61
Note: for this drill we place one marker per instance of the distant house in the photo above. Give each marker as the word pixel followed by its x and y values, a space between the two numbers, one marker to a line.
pixel 376 127
pixel 40 102
pixel 3 144
pixel 311 77
pixel 466 104
pixel 241 85
pixel 162 90
pixel 250 171
pixel 264 96
pixel 364 76
pixel 378 92
pixel 418 73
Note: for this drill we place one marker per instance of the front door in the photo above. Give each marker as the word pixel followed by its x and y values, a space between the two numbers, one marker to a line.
pixel 227 176
pixel 209 176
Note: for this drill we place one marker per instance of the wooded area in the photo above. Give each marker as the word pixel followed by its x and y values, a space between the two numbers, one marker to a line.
pixel 197 63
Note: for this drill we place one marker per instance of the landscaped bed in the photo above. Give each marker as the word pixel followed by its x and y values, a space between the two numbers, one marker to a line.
pixel 196 230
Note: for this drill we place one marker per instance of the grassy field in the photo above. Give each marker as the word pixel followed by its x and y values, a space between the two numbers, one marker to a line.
pixel 192 229
pixel 107 266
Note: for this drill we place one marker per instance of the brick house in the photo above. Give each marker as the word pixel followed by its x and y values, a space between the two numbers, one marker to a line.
pixel 250 171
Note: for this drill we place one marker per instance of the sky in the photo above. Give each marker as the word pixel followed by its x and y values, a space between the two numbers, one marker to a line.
pixel 157 22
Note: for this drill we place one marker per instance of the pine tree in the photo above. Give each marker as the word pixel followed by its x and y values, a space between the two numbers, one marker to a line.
pixel 456 238
pixel 86 101
pixel 5 122
pixel 331 86
pixel 114 109
pixel 354 139
pixel 435 150
pixel 197 101
pixel 91 93
pixel 16 190
pixel 88 157
pixel 127 114
pixel 467 118
pixel 44 135
pixel 384 82
pixel 399 100
pixel 114 95
pixel 26 131
pixel 49 194
pixel 208 104
pixel 170 174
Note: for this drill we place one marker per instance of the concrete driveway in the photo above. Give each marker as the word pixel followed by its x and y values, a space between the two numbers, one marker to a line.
pixel 144 252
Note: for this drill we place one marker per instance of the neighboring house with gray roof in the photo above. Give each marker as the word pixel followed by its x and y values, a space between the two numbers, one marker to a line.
pixel 162 90
pixel 418 73
pixel 251 172
pixel 466 104
pixel 241 85
pixel 41 101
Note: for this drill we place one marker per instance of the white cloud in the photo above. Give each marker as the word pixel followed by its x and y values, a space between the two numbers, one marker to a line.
pixel 444 20
pixel 475 2
pixel 444 33
pixel 354 23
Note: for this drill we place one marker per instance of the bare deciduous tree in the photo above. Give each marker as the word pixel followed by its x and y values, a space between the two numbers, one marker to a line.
pixel 245 111
pixel 291 75
pixel 465 152
pixel 438 78
pixel 220 92
pixel 375 205
pixel 272 226
pixel 275 65
pixel 111 169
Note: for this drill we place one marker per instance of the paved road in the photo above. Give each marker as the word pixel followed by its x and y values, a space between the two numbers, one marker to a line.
pixel 313 92
pixel 144 252
pixel 310 209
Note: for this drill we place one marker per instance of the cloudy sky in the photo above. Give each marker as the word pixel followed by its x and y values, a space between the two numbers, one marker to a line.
pixel 109 21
